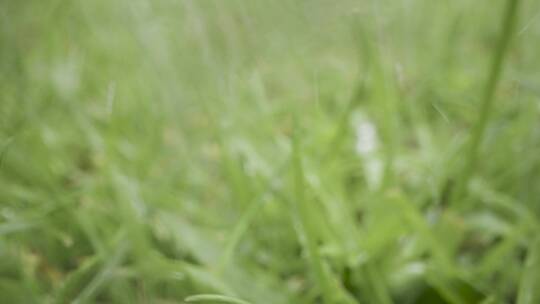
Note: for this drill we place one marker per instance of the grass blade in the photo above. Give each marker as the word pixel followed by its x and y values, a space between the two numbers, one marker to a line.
pixel 330 291
pixel 528 291
pixel 215 298
pixel 488 97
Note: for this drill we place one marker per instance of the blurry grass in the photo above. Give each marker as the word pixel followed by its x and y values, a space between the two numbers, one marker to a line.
pixel 215 298
pixel 269 151
pixel 487 101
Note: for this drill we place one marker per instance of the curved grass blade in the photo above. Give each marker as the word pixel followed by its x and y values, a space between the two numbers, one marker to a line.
pixel 215 298
pixel 330 290
pixel 528 290
pixel 247 218
pixel 488 97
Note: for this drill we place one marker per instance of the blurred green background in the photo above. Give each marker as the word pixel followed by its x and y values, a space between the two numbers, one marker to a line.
pixel 272 151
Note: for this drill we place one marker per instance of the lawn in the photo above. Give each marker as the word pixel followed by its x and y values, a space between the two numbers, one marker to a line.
pixel 270 152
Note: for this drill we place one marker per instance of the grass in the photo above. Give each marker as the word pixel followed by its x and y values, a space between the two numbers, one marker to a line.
pixel 486 107
pixel 269 151
pixel 217 298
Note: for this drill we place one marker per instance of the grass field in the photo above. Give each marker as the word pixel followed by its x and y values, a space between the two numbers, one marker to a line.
pixel 268 152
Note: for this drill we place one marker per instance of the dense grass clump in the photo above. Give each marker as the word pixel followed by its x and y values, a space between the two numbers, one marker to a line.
pixel 253 151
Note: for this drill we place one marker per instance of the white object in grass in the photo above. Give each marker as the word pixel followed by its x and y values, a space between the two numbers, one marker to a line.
pixel 366 147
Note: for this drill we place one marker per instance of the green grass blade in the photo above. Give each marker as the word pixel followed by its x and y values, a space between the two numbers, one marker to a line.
pixel 302 210
pixel 105 274
pixel 330 291
pixel 247 217
pixel 488 97
pixel 215 298
pixel 529 290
